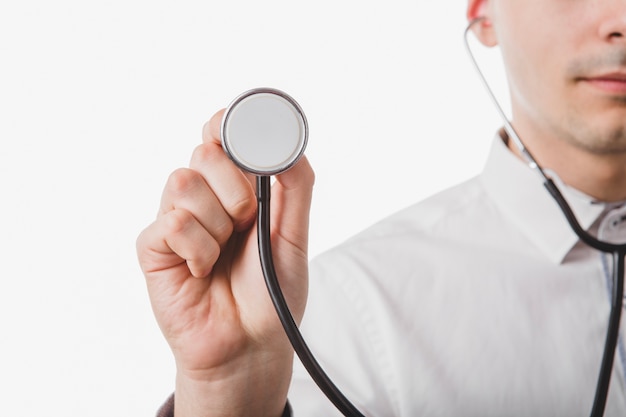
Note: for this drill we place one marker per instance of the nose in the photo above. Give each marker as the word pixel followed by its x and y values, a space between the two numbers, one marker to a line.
pixel 613 25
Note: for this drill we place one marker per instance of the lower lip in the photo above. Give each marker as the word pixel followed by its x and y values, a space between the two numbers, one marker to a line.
pixel 611 86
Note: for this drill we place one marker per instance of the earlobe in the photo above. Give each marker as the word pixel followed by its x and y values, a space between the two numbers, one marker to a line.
pixel 479 15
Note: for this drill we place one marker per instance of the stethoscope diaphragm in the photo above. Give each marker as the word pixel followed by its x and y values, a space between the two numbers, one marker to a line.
pixel 264 131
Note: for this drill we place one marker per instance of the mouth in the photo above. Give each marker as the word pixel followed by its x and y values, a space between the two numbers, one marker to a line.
pixel 612 83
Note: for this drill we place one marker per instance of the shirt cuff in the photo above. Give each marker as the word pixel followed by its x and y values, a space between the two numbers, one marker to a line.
pixel 287 412
pixel 167 409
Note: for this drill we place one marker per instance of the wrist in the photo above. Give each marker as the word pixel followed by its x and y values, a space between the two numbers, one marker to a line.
pixel 258 388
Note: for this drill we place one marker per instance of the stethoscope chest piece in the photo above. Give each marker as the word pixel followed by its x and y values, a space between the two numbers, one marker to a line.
pixel 264 131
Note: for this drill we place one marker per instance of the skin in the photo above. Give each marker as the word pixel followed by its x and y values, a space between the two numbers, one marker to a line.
pixel 207 291
pixel 566 67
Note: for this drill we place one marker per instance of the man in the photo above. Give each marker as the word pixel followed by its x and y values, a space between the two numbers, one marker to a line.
pixel 480 301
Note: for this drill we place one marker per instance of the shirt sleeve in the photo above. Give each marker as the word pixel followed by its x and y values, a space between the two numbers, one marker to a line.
pixel 167 409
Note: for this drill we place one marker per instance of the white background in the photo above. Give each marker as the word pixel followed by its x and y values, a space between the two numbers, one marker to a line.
pixel 101 100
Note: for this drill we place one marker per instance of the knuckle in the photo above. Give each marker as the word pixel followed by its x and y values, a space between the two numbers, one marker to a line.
pixel 206 154
pixel 178 221
pixel 223 231
pixel 201 264
pixel 241 206
pixel 183 180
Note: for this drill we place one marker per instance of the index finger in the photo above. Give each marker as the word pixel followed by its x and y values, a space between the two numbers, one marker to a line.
pixel 211 131
pixel 212 134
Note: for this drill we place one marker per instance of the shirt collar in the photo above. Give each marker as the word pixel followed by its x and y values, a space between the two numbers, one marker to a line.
pixel 519 193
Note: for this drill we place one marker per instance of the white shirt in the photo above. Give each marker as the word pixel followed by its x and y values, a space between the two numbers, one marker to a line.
pixel 479 301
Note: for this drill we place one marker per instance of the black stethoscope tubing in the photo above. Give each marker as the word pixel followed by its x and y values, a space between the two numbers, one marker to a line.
pixel 618 251
pixel 282 309
pixel 330 389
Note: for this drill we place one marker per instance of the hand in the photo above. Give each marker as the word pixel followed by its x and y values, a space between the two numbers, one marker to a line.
pixel 207 291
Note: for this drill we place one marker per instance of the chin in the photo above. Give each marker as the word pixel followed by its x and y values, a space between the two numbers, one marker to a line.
pixel 604 135
pixel 605 142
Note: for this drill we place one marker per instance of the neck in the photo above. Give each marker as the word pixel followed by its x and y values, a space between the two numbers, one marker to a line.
pixel 599 175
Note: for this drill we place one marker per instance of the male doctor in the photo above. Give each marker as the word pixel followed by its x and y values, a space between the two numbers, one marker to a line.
pixel 479 301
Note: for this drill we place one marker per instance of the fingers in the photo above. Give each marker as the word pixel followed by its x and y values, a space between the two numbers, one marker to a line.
pixel 291 194
pixel 177 239
pixel 188 190
pixel 213 189
pixel 211 131
pixel 229 185
pixel 201 207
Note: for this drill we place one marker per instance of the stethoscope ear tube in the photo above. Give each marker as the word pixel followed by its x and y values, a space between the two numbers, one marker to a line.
pixel 617 250
pixel 617 297
pixel 282 309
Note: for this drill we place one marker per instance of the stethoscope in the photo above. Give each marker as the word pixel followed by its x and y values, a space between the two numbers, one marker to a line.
pixel 265 132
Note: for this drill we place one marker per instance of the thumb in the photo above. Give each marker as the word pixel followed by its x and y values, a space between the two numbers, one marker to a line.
pixel 291 204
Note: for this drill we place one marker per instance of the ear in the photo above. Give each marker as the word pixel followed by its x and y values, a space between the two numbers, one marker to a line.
pixel 484 29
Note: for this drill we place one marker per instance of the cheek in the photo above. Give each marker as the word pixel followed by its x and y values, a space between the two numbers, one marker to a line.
pixel 535 68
